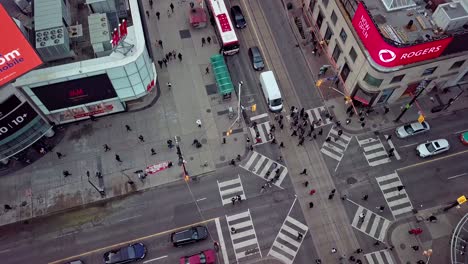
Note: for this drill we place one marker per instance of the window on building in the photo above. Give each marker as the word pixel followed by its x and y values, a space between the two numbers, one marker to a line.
pixel 343 35
pixel 352 54
pixel 325 3
pixel 371 80
pixel 345 72
pixel 319 19
pixel 334 17
pixel 350 6
pixel 457 65
pixel 328 34
pixel 429 71
pixel 336 52
pixel 397 78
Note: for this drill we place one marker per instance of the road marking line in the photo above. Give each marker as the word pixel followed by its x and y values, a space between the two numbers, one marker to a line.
pixel 130 241
pixel 221 241
pixel 201 199
pixel 150 260
pixel 432 160
pixel 409 145
pixel 461 131
pixel 128 218
pixel 456 176
pixel 390 143
pixel 258 116
pixel 5 251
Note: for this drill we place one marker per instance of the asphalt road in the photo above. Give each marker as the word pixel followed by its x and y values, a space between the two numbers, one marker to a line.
pixel 150 217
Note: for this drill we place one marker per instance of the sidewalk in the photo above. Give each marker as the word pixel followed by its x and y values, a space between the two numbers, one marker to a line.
pixel 41 189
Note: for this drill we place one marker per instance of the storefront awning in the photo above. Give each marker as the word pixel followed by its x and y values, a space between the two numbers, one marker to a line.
pixel 362 97
pixel 221 73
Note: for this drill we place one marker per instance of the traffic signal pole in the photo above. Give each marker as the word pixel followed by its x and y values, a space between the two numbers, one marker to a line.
pixel 422 86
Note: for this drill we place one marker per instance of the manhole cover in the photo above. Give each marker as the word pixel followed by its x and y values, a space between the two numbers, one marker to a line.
pixel 204 141
pixel 191 158
pixel 185 33
pixel 222 158
pixel 208 110
pixel 374 125
pixel 235 139
pixel 351 180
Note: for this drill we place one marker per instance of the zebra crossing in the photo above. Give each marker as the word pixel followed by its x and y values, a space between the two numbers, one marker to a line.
pixel 260 132
pixel 231 188
pixel 265 167
pixel 287 244
pixel 398 201
pixel 318 114
pixel 374 151
pixel 379 257
pixel 243 236
pixel 335 148
pixel 373 224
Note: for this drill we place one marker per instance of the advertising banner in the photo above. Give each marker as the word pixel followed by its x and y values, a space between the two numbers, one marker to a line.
pixel 152 169
pixel 76 92
pixel 387 55
pixel 16 119
pixel 17 57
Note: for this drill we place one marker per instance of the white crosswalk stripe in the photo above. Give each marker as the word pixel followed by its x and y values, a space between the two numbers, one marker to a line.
pixel 335 148
pixel 318 113
pixel 287 244
pixel 379 257
pixel 231 188
pixel 373 224
pixel 263 130
pixel 398 201
pixel 261 166
pixel 244 239
pixel 374 151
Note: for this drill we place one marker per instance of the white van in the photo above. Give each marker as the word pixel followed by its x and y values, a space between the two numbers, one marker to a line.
pixel 271 91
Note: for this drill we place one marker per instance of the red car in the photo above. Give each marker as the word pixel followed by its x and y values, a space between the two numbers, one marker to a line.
pixel 205 257
pixel 464 138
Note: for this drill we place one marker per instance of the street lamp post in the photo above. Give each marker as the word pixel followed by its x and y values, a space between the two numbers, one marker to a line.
pixel 421 87
pixel 238 109
pixel 452 100
pixel 99 189
pixel 428 254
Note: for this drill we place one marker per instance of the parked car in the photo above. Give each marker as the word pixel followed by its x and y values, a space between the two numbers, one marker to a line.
pixel 188 236
pixel 205 257
pixel 256 58
pixel 238 17
pixel 432 148
pixel 464 138
pixel 126 254
pixel 412 129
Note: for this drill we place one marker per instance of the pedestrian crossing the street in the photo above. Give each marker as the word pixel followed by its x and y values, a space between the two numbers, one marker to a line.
pixel 336 147
pixel 265 167
pixel 230 189
pixel 288 242
pixel 243 236
pixel 398 201
pixel 371 224
pixel 260 132
pixel 318 114
pixel 379 257
pixel 374 151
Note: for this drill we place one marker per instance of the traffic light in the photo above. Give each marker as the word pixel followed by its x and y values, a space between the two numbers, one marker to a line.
pixel 229 132
pixel 254 107
pixel 319 82
pixel 347 99
pixel 186 178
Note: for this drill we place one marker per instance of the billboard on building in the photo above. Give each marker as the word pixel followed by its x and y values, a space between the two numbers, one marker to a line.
pixel 17 57
pixel 76 92
pixel 14 115
pixel 387 55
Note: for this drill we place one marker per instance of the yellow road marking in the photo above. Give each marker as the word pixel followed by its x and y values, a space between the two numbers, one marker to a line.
pixel 432 160
pixel 129 242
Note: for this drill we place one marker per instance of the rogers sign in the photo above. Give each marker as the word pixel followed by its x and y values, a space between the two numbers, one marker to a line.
pixel 17 57
pixel 387 55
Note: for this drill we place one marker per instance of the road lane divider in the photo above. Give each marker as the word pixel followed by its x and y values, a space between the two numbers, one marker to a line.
pixel 129 242
pixel 456 176
pixel 221 241
pixel 151 260
pixel 432 160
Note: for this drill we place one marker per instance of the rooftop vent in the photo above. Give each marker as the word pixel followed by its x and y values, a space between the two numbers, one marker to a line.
pixel 392 5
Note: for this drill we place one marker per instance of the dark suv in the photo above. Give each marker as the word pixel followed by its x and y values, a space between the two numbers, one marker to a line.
pixel 256 58
pixel 188 236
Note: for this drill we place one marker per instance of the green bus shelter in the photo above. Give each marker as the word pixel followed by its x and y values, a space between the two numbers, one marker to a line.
pixel 222 76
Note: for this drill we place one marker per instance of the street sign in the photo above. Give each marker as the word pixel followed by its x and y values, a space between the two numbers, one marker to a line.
pixel 461 199
pixel 421 118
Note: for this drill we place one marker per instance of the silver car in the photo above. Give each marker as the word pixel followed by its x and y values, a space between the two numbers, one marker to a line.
pixel 412 129
pixel 432 148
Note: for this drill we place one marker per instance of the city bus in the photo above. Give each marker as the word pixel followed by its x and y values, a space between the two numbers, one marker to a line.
pixel 224 28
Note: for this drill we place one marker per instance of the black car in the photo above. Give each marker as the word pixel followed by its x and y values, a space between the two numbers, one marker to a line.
pixel 188 236
pixel 256 58
pixel 126 254
pixel 238 17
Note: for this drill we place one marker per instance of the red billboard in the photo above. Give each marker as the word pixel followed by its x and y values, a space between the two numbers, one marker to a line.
pixel 17 57
pixel 387 55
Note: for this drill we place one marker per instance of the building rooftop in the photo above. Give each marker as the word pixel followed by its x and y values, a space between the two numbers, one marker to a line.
pixel 409 21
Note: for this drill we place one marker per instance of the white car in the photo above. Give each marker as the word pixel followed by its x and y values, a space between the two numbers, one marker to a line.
pixel 412 129
pixel 432 148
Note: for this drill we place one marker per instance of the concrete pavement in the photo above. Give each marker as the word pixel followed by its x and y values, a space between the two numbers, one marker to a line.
pixel 41 188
